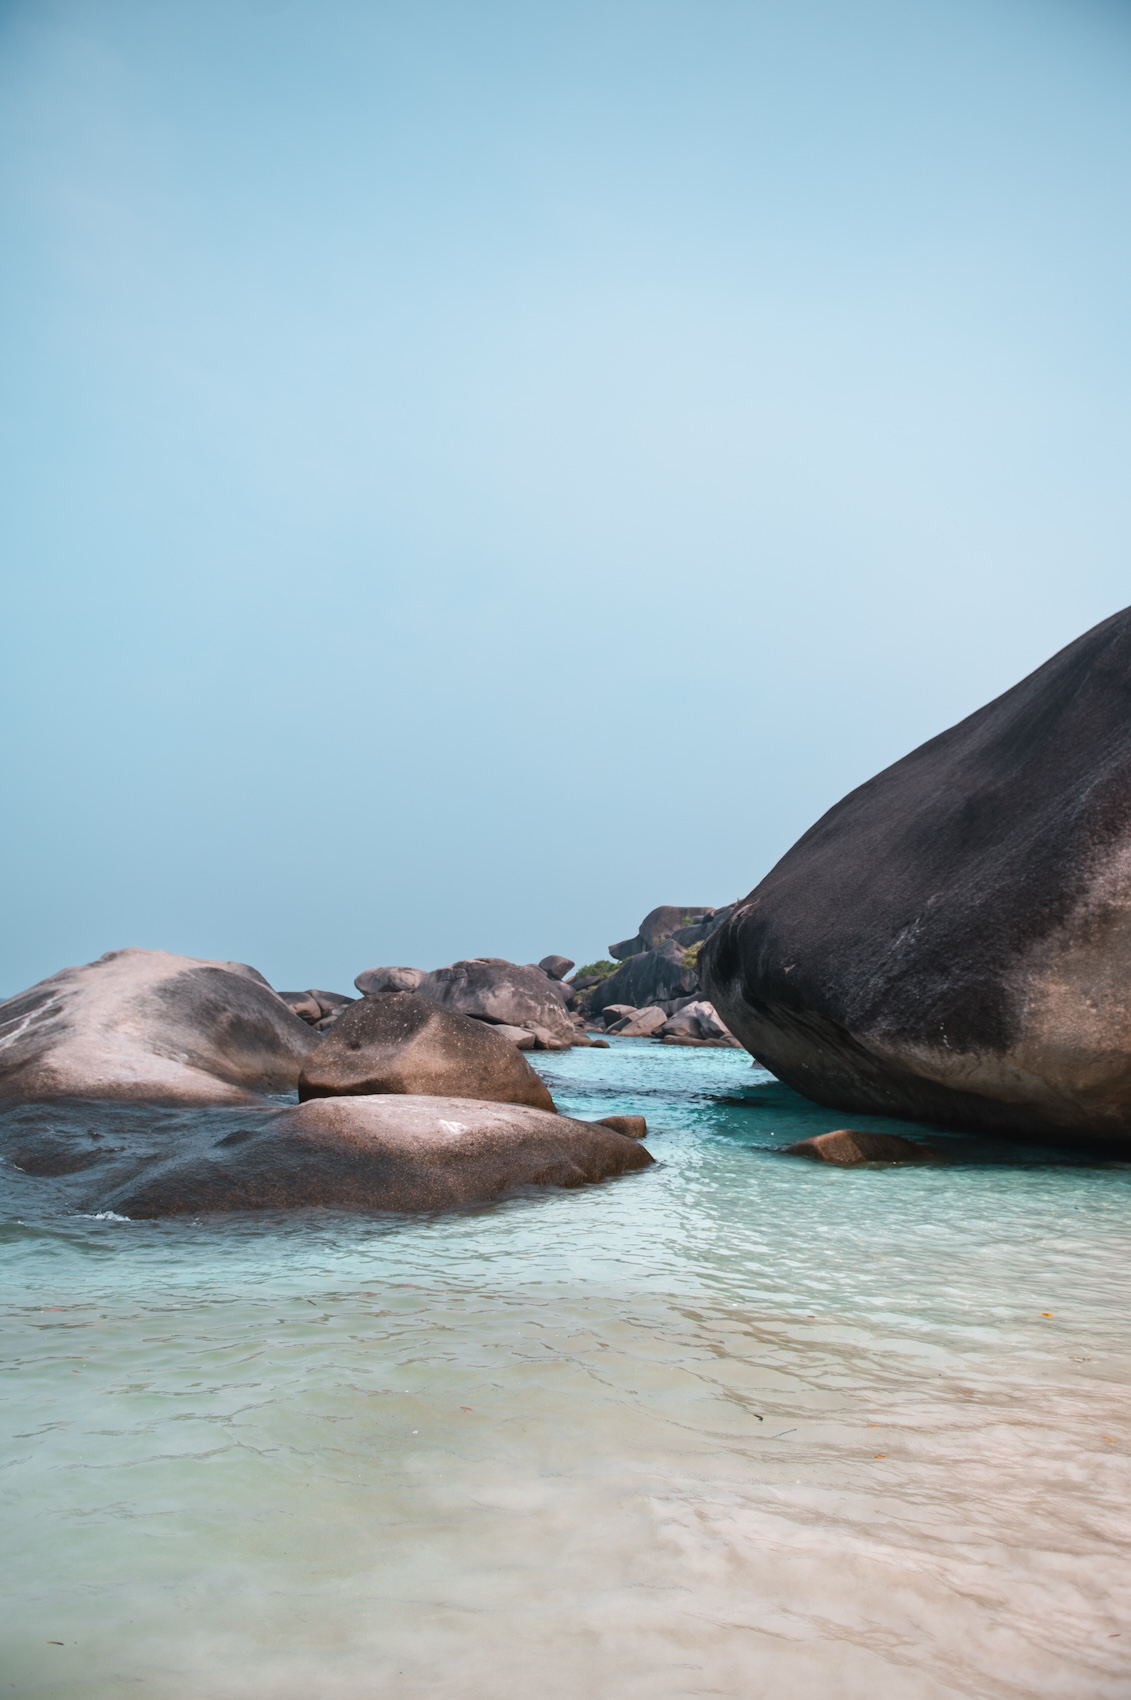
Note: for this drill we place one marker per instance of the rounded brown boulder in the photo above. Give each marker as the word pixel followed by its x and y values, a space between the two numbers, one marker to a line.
pixel 847 1146
pixel 399 1043
pixel 384 1153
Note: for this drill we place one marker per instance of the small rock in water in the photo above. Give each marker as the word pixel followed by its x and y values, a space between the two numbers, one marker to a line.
pixel 634 1126
pixel 847 1146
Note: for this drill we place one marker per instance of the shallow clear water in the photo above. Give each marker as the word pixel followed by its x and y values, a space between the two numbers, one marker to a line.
pixel 740 1425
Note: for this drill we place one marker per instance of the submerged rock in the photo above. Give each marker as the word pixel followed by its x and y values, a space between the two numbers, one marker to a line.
pixel 400 1043
pixel 383 1153
pixel 952 941
pixel 144 1024
pixel 847 1147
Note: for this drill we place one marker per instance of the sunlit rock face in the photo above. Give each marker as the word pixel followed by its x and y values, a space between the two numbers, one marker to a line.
pixel 953 939
pixel 145 1024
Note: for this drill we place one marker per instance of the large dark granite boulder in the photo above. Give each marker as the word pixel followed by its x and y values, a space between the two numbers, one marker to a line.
pixel 380 1153
pixel 652 976
pixel 398 1042
pixel 143 1024
pixel 952 941
pixel 492 989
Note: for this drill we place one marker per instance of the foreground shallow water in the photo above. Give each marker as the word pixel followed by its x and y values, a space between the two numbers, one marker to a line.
pixel 739 1425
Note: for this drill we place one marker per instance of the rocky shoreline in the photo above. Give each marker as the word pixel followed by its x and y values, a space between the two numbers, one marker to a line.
pixel 415 1094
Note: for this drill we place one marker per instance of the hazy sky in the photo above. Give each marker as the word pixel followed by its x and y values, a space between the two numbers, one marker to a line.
pixel 474 471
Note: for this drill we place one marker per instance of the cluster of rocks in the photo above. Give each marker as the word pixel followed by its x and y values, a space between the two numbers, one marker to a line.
pixel 530 1004
pixel 654 992
pixel 406 1104
pixel 686 1021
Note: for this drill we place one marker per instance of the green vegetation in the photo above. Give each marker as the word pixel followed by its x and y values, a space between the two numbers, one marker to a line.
pixel 690 958
pixel 601 969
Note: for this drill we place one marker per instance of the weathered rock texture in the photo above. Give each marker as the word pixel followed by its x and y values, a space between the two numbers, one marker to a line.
pixel 383 1153
pixel 492 989
pixel 651 977
pixel 952 941
pixel 398 1042
pixel 373 981
pixel 658 925
pixel 143 1024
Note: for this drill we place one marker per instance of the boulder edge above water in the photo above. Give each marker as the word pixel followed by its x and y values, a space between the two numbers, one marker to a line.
pixel 952 941
pixel 384 1153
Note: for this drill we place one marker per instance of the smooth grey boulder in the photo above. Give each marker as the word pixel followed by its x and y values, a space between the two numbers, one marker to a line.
pixel 639 1023
pixel 613 1012
pixel 517 1035
pixel 493 989
pixel 695 1020
pixel 144 1024
pixel 557 967
pixel 652 977
pixel 952 941
pixel 307 1008
pixel 373 981
pixel 382 1153
pixel 398 1042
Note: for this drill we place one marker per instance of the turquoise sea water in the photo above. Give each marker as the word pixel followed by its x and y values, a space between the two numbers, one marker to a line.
pixel 739 1425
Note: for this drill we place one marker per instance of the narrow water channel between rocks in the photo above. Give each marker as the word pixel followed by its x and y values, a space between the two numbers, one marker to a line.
pixel 739 1425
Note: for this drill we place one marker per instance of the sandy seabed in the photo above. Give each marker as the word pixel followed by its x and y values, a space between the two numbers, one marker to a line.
pixel 738 1425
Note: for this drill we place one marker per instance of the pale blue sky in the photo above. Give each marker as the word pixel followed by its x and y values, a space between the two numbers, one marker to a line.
pixel 472 472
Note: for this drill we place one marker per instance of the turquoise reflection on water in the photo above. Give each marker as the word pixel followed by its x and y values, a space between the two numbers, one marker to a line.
pixel 738 1425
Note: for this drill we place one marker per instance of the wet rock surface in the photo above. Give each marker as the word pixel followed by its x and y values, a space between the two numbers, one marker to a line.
pixel 372 1153
pixel 847 1147
pixel 952 941
pixel 398 1042
pixel 154 1027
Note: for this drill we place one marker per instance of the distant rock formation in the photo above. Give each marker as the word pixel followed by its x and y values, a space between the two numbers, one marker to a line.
pixel 143 1024
pixel 655 990
pixel 492 989
pixel 952 941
